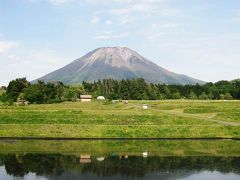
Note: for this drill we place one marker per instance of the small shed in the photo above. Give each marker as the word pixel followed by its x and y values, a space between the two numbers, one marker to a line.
pixel 145 106
pixel 85 159
pixel 100 98
pixel 86 98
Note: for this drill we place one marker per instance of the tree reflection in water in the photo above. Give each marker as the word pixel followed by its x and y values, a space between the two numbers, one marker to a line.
pixel 133 166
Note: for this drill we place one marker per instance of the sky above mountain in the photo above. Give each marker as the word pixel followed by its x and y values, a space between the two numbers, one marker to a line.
pixel 198 38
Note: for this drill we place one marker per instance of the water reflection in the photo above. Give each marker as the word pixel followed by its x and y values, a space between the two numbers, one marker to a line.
pixel 118 160
pixel 57 166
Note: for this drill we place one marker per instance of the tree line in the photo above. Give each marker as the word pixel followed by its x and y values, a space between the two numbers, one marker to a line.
pixel 134 89
pixel 40 92
pixel 139 89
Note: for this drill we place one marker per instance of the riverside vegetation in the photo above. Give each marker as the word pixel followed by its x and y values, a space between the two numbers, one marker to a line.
pixel 164 148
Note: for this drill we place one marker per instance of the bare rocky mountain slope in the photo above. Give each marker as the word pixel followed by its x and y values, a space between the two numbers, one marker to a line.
pixel 115 63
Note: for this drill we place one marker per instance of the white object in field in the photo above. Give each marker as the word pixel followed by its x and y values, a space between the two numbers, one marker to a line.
pixel 145 154
pixel 145 106
pixel 100 159
pixel 100 98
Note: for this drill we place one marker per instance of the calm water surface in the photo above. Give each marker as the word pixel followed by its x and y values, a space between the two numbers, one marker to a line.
pixel 108 160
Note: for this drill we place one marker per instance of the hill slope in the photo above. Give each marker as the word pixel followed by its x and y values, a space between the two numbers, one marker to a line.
pixel 116 63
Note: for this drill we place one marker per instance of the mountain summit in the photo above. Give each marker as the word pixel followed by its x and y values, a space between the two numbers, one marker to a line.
pixel 115 63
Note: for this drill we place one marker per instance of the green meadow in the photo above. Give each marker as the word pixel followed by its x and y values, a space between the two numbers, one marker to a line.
pixel 97 119
pixel 130 147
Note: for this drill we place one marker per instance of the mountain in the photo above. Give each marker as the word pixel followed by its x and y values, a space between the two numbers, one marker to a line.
pixel 115 63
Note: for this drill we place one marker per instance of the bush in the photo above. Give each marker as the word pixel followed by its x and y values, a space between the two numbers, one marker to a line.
pixel 228 96
pixel 203 96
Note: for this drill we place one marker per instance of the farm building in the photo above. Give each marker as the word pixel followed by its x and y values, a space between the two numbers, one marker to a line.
pixel 85 159
pixel 86 98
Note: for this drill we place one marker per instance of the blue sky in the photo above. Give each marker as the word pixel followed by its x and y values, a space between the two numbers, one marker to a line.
pixel 199 38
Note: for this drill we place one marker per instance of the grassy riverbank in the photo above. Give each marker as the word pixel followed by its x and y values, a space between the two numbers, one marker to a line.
pixel 165 119
pixel 130 147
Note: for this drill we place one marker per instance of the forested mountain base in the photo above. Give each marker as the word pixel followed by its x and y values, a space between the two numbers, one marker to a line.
pixel 138 89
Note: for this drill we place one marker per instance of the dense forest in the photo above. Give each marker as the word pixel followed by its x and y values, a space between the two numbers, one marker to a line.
pixel 138 89
pixel 40 92
pixel 135 89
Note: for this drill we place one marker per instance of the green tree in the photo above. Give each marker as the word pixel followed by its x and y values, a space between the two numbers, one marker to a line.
pixel 21 97
pixel 71 93
pixel 176 95
pixel 34 94
pixel 16 87
pixel 222 96
pixel 53 92
pixel 192 95
pixel 228 96
pixel 210 95
pixel 203 96
pixel 2 90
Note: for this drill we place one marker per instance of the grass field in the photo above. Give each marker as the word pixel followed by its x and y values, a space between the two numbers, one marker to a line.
pixel 130 147
pixel 163 119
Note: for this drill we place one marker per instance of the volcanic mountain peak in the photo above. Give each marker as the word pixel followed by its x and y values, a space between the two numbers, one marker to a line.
pixel 115 63
pixel 114 56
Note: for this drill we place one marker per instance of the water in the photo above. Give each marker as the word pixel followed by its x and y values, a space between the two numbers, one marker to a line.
pixel 107 160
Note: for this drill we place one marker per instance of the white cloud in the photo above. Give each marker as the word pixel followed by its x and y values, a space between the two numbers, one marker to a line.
pixel 169 12
pixel 109 35
pixel 155 36
pixel 155 26
pixel 35 62
pixel 6 45
pixel 97 2
pixel 108 22
pixel 142 9
pixel 60 2
pixel 139 8
pixel 11 56
pixel 126 11
pixel 236 17
pixel 95 19
pixel 161 31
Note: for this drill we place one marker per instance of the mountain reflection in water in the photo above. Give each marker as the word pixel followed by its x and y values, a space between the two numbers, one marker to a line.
pixel 113 166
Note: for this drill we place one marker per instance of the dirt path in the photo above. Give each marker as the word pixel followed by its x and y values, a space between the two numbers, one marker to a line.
pixel 200 117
